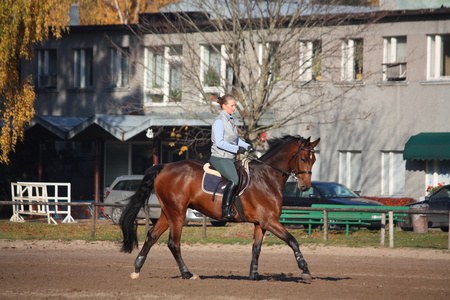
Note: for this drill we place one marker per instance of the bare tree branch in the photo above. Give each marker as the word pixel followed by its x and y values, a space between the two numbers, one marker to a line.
pixel 285 62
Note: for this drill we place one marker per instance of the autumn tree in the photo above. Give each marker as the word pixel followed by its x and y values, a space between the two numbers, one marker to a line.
pixel 23 23
pixel 104 12
pixel 278 58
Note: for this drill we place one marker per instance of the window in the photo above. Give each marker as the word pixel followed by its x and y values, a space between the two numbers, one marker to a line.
pixel 316 167
pixel 216 74
pixel 126 158
pixel 82 68
pixel 163 76
pixel 352 60
pixel 212 60
pixel 269 60
pixel 438 57
pixel 119 67
pixel 350 169
pixel 392 173
pixel 394 60
pixel 438 172
pixel 116 161
pixel 311 60
pixel 47 69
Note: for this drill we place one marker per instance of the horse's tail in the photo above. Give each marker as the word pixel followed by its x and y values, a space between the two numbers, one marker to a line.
pixel 137 201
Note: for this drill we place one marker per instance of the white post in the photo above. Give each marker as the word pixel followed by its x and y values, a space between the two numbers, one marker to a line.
pixel 391 229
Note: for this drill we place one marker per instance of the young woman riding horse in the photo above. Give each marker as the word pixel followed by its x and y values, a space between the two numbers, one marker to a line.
pixel 225 145
pixel 178 186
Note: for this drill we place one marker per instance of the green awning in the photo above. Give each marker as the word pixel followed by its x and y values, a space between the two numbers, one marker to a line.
pixel 427 146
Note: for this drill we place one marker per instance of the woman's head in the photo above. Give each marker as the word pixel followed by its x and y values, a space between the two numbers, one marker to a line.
pixel 227 103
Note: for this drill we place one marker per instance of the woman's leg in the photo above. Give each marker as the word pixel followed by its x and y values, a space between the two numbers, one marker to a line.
pixel 226 167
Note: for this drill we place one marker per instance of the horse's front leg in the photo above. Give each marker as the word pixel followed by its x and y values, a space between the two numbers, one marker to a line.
pixel 152 237
pixel 277 229
pixel 256 250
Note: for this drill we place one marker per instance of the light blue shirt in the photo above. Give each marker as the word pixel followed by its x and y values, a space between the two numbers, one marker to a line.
pixel 220 142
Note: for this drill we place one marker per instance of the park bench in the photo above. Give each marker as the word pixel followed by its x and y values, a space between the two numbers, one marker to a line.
pixel 310 218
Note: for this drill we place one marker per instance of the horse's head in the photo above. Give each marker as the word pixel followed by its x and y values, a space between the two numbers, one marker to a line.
pixel 302 161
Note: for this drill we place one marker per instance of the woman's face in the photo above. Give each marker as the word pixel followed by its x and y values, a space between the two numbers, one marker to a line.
pixel 229 107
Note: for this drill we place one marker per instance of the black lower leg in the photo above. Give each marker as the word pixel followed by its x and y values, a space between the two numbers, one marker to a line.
pixel 139 262
pixel 227 201
pixel 185 273
pixel 301 262
pixel 140 259
pixel 254 264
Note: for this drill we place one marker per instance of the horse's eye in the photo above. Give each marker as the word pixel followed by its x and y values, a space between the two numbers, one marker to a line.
pixel 303 160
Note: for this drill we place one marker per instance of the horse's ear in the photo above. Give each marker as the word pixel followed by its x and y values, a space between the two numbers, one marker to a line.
pixel 314 144
pixel 308 140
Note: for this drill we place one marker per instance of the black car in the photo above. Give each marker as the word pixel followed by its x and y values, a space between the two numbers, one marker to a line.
pixel 322 193
pixel 439 200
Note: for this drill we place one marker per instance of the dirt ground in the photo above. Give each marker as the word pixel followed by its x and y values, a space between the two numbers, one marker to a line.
pixel 92 270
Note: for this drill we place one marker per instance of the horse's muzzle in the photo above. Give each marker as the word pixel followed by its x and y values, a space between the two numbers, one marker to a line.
pixel 303 188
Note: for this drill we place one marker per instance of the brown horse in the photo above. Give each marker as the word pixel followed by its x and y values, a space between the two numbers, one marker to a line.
pixel 178 186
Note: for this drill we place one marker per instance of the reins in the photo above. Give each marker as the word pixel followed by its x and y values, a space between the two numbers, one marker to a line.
pixel 253 157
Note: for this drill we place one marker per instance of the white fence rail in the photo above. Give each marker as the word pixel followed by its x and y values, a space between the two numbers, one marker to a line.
pixel 42 192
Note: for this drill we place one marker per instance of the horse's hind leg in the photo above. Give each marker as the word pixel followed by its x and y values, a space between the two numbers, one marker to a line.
pixel 258 236
pixel 277 229
pixel 152 237
pixel 174 246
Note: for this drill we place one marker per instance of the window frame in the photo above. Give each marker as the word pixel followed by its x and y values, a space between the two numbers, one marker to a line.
pixel 119 67
pixel 435 56
pixel 390 184
pixel 350 169
pixel 392 64
pixel 47 68
pixel 223 83
pixel 437 172
pixel 307 60
pixel 168 91
pixel 275 70
pixel 349 61
pixel 83 68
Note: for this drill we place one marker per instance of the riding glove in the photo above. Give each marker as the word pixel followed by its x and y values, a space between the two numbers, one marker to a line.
pixel 241 150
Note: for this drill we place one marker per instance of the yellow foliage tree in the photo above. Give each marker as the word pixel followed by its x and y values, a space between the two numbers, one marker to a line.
pixel 23 23
pixel 103 12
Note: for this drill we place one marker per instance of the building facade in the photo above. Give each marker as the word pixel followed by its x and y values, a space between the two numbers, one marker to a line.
pixel 110 102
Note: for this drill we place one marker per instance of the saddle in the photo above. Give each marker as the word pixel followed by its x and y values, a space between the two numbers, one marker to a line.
pixel 214 183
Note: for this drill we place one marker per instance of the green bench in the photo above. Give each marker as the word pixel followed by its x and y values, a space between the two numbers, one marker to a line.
pixel 346 218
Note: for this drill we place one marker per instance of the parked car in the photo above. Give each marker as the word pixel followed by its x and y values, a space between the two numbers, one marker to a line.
pixel 438 200
pixel 327 193
pixel 322 193
pixel 122 188
pixel 125 186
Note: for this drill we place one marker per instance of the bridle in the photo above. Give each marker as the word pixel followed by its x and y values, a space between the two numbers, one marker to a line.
pixel 297 155
pixel 292 171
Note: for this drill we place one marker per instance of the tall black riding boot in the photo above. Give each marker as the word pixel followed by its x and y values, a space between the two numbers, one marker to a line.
pixel 227 201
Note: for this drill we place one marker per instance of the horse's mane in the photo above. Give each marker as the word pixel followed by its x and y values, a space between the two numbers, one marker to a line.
pixel 276 143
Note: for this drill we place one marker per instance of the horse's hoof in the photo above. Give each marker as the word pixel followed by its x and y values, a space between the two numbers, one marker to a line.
pixel 306 277
pixel 134 275
pixel 194 277
pixel 255 276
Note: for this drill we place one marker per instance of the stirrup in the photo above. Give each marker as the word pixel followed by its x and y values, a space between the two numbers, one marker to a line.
pixel 229 217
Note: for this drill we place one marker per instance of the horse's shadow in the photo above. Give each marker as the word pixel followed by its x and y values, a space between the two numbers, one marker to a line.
pixel 273 278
